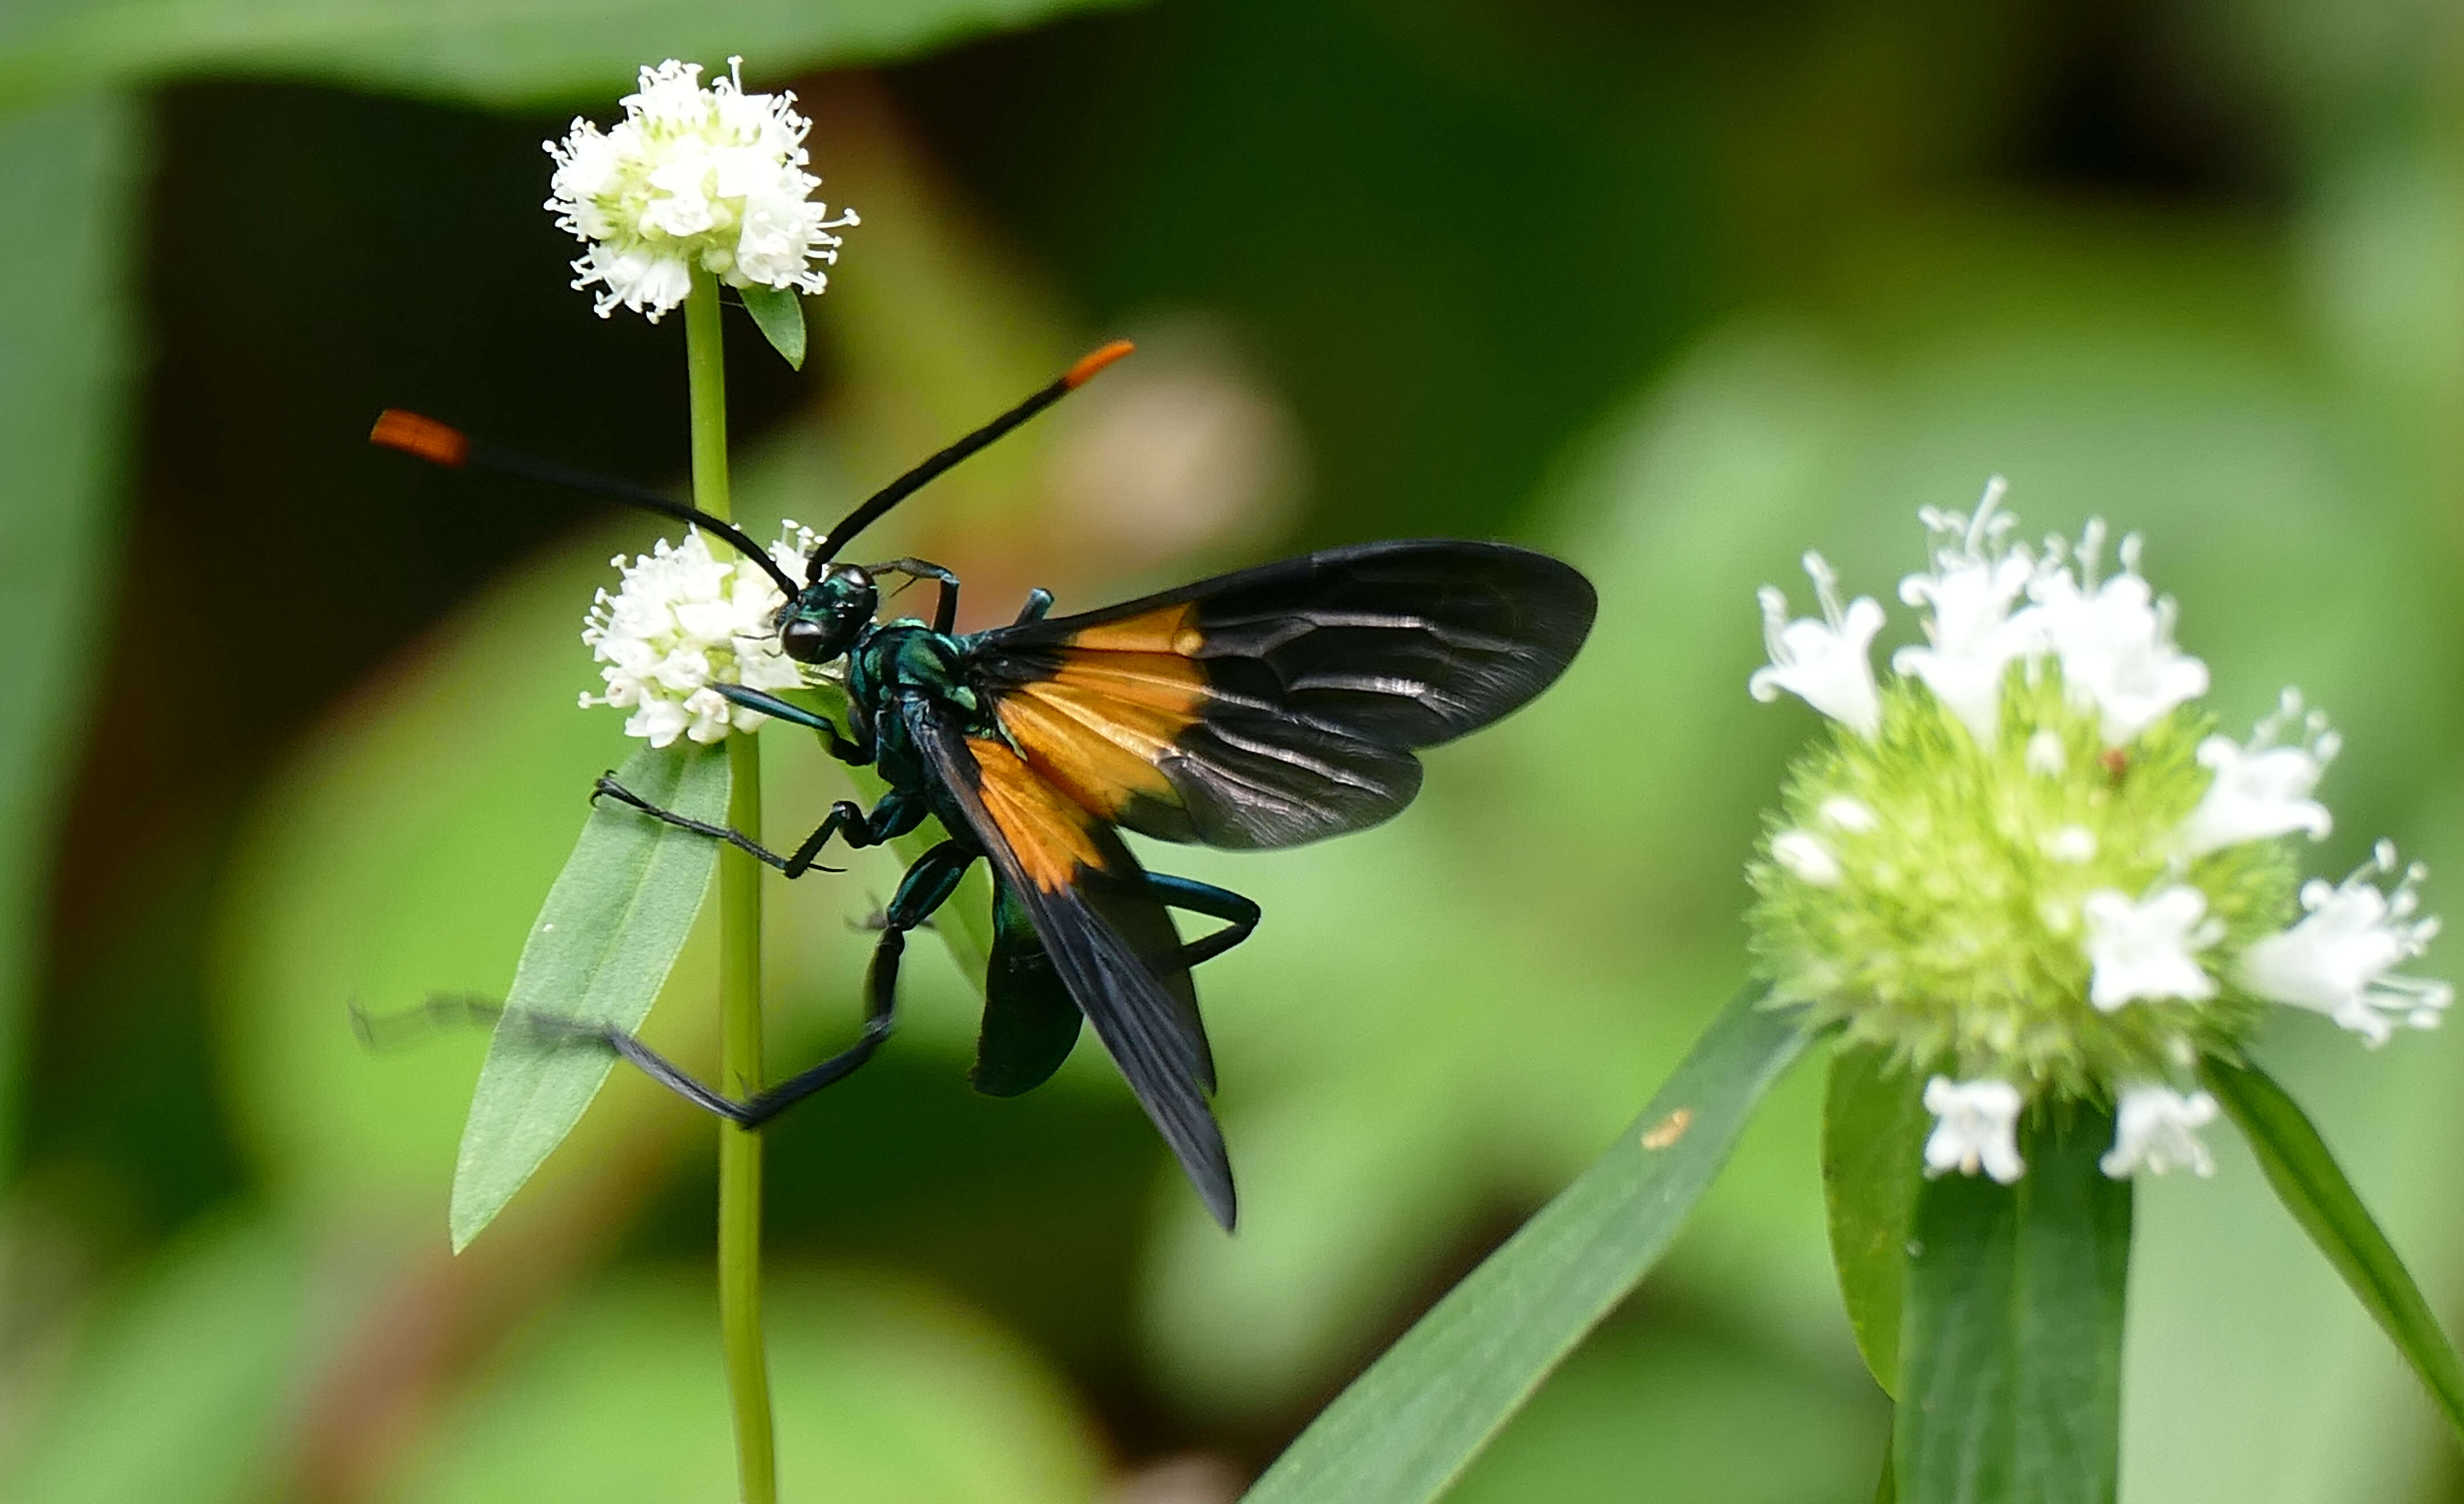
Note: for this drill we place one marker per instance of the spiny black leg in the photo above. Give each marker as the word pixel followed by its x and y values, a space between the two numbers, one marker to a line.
pixel 1039 601
pixel 1240 915
pixel 926 887
pixel 895 815
pixel 841 748
pixel 945 612
pixel 609 787
pixel 423 1020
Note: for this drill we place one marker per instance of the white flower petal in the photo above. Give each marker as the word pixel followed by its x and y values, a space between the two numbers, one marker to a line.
pixel 1804 854
pixel 2113 641
pixel 693 175
pixel 1975 1127
pixel 684 620
pixel 1972 635
pixel 2262 792
pixel 2340 957
pixel 1826 663
pixel 2156 1130
pixel 2148 948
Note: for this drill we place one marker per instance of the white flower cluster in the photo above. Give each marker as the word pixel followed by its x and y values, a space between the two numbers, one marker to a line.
pixel 2134 850
pixel 683 620
pixel 692 176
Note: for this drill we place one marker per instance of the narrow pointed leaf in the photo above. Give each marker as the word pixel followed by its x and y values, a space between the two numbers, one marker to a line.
pixel 778 313
pixel 1874 1126
pixel 601 949
pixel 1408 1427
pixel 2314 1188
pixel 2009 1360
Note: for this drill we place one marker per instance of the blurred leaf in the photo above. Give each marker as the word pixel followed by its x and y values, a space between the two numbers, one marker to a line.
pixel 2313 1188
pixel 2010 1352
pixel 180 1394
pixel 514 51
pixel 602 948
pixel 778 313
pixel 1874 1126
pixel 886 1394
pixel 72 170
pixel 1407 1428
pixel 1649 1409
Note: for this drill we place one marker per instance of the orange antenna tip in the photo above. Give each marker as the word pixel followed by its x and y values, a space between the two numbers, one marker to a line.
pixel 424 437
pixel 1084 370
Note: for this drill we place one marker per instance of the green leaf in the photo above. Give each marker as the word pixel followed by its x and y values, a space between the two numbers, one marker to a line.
pixel 181 1387
pixel 72 173
pixel 886 1388
pixel 1874 1126
pixel 1408 1427
pixel 2010 1342
pixel 778 313
pixel 510 51
pixel 601 949
pixel 2313 1188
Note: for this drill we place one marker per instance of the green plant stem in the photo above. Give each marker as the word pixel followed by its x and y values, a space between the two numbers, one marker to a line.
pixel 739 972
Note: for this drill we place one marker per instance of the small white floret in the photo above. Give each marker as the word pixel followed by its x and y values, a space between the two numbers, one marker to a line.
pixel 2156 1129
pixel 1803 853
pixel 2045 755
pixel 2340 957
pixel 1976 1126
pixel 681 621
pixel 1827 663
pixel 1853 816
pixel 2114 640
pixel 2148 948
pixel 2262 790
pixel 2074 843
pixel 1971 633
pixel 692 177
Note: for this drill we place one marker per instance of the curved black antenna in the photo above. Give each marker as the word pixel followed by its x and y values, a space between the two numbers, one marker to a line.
pixel 440 444
pixel 916 480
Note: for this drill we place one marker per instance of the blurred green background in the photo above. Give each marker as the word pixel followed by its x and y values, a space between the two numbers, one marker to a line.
pixel 1678 290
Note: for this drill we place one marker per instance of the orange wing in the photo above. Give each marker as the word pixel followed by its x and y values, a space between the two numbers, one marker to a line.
pixel 1281 705
pixel 1110 939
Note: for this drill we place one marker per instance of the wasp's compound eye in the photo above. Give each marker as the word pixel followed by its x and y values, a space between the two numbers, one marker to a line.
pixel 808 641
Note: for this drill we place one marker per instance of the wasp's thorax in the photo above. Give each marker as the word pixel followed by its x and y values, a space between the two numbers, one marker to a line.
pixel 824 620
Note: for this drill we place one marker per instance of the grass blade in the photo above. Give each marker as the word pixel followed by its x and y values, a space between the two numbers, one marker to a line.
pixel 1408 1427
pixel 1874 1126
pixel 2313 1188
pixel 2011 1339
pixel 600 949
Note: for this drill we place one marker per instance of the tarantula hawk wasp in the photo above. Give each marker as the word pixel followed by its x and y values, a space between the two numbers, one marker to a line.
pixel 1265 708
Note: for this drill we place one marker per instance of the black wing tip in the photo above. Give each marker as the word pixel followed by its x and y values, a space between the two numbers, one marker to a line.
pixel 1222 1201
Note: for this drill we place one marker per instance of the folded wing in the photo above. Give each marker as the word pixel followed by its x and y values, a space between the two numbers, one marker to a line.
pixel 1109 940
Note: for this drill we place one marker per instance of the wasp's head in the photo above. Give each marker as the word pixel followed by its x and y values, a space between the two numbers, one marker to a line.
pixel 826 616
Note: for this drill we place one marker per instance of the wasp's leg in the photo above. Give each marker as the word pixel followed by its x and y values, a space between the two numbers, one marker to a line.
pixel 859 751
pixel 945 610
pixel 609 787
pixel 423 1020
pixel 1039 601
pixel 926 887
pixel 897 813
pixel 1240 915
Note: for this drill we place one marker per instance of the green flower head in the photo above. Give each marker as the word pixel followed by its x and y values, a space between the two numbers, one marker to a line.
pixel 2026 866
